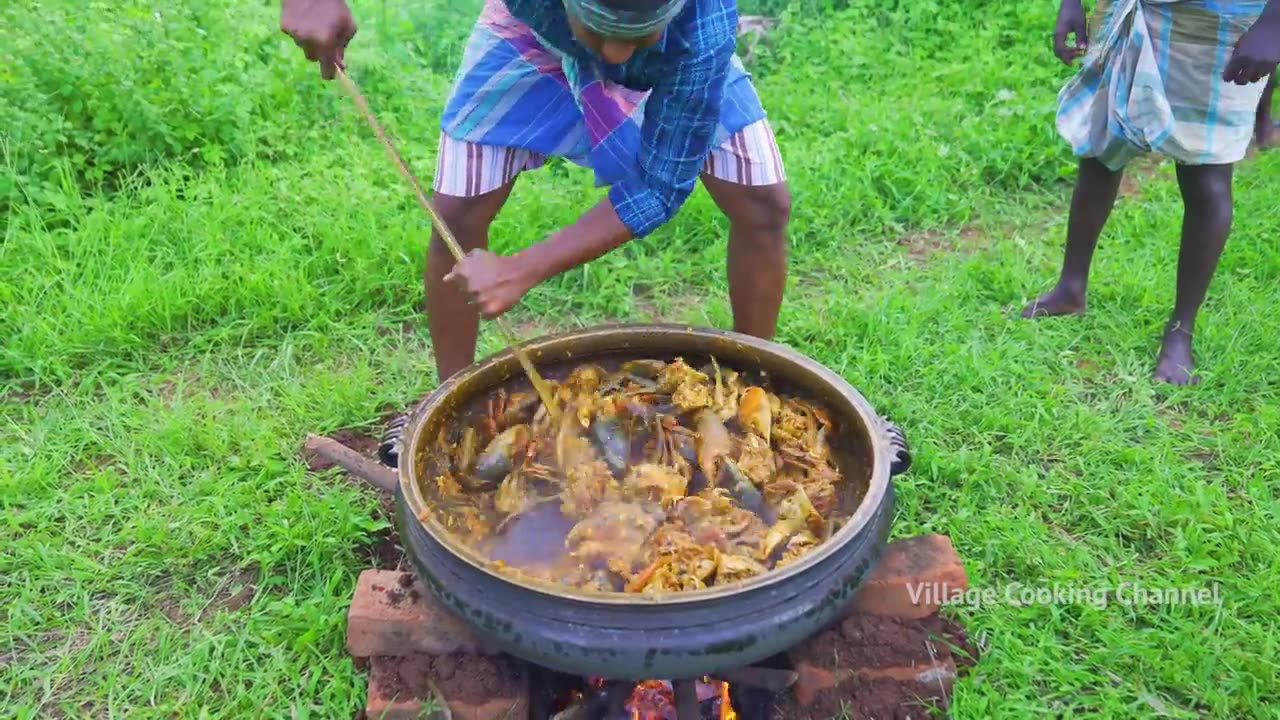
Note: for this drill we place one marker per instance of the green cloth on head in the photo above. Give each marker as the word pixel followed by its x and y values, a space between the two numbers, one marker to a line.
pixel 623 23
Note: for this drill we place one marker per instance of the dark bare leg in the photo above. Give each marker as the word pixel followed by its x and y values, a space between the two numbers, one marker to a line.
pixel 1264 129
pixel 450 317
pixel 758 217
pixel 1091 204
pixel 1206 222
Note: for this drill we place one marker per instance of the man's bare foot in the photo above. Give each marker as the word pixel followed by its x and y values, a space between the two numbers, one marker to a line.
pixel 1058 301
pixel 1175 364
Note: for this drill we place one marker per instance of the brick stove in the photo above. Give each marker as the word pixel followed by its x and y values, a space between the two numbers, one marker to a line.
pixel 884 657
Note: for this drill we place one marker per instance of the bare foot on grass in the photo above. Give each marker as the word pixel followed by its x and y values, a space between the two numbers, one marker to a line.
pixel 1058 301
pixel 1175 364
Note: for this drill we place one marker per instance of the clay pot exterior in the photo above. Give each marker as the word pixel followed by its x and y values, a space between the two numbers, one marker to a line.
pixel 681 635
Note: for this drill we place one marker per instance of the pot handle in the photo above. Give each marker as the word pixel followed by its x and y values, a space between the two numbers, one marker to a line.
pixel 900 458
pixel 393 441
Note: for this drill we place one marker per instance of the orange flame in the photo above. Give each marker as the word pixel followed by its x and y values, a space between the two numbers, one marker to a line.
pixel 652 700
pixel 726 706
pixel 655 699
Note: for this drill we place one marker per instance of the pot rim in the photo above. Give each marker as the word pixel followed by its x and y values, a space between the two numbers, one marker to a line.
pixel 877 484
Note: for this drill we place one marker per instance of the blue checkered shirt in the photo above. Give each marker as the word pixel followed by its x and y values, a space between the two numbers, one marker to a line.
pixel 686 70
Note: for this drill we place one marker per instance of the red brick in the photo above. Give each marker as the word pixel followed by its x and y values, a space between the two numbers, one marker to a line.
pixel 496 709
pixel 482 688
pixel 811 680
pixel 405 710
pixel 397 688
pixel 400 688
pixel 399 710
pixel 391 617
pixel 926 567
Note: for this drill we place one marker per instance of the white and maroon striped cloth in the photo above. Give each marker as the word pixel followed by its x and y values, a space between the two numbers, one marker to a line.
pixel 465 169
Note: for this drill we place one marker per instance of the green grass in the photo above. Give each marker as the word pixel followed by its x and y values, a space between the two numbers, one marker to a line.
pixel 193 280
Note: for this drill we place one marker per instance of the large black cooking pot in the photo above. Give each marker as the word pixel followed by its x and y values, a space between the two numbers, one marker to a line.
pixel 687 634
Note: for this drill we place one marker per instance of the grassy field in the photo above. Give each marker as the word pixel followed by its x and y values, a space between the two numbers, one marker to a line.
pixel 206 255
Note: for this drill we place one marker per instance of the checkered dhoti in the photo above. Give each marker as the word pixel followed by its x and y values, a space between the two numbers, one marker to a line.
pixel 1152 82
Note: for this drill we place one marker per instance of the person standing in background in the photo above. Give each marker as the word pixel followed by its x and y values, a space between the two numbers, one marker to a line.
pixel 1179 77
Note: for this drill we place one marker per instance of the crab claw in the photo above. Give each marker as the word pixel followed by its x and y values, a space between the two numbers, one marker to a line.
pixel 498 458
pixel 713 443
pixel 742 489
pixel 795 513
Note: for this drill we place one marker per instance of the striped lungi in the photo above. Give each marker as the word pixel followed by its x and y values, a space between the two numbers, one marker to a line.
pixel 516 102
pixel 466 169
pixel 1151 81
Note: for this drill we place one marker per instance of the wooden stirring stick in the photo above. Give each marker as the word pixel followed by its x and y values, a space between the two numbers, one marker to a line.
pixel 539 384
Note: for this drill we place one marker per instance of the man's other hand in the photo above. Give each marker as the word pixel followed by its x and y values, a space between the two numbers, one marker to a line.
pixel 1256 53
pixel 322 28
pixel 1071 21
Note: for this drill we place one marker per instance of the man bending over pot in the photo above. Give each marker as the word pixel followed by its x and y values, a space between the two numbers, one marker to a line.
pixel 647 93
pixel 1178 77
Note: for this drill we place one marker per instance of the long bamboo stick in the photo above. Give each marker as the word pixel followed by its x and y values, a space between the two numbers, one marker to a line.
pixel 540 385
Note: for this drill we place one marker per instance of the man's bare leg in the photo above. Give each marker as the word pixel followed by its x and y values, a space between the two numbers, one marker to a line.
pixel 452 321
pixel 1206 222
pixel 1091 204
pixel 757 263
pixel 1264 128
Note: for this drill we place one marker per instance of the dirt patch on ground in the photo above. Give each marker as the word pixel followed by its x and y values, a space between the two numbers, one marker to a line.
pixel 1137 174
pixel 1087 365
pixel 233 592
pixel 1207 458
pixel 401 678
pixel 385 550
pixel 923 245
pixel 681 305
pixel 868 642
pixel 355 438
pixel 94 463
pixel 469 679
pixel 1129 187
pixel 183 385
pixel 473 678
pixel 20 394
pixel 405 329
pixel 867 699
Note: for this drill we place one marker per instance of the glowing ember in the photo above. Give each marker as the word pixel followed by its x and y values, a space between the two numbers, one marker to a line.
pixel 656 700
pixel 652 700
